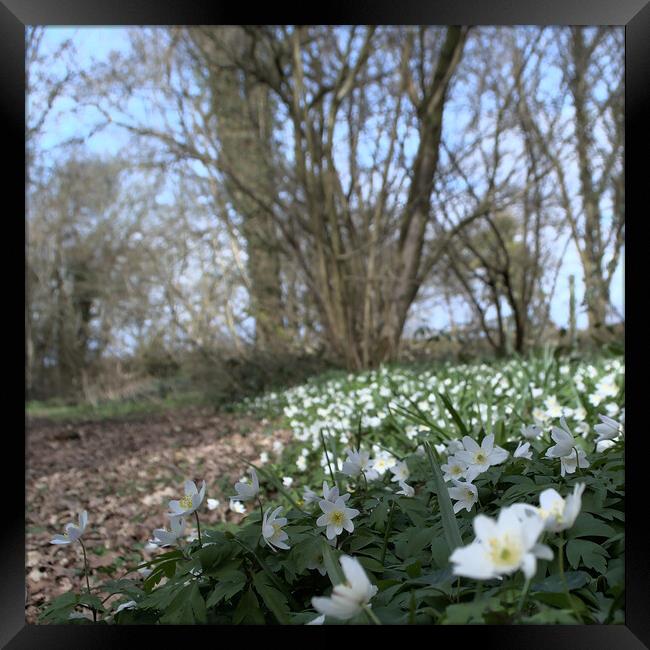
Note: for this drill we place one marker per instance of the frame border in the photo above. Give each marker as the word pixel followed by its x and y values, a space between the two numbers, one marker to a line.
pixel 633 14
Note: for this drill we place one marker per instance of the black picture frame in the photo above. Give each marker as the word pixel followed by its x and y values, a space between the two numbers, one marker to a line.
pixel 633 14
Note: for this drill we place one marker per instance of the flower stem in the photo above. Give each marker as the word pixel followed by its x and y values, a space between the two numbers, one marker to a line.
pixel 83 548
pixel 389 525
pixel 371 615
pixel 522 600
pixel 198 527
pixel 577 461
pixel 365 480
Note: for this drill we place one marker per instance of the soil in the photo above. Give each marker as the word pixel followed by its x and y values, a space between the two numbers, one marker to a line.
pixel 124 472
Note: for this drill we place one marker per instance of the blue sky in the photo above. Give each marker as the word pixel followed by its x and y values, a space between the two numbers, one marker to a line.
pixel 95 44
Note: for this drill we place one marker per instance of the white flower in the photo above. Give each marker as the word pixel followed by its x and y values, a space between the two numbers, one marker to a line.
pixel 349 598
pixel 130 605
pixel 333 494
pixel 564 440
pixel 531 431
pixel 319 620
pixel 612 409
pixel 246 491
pixel 264 458
pixel 309 496
pixel 465 495
pixel 596 398
pixel 287 481
pixel 72 532
pixel 400 472
pixel 553 408
pixel 523 451
pixel 579 414
pixel 558 513
pixel 237 506
pixel 213 504
pixel 357 462
pixel 272 531
pixel 164 537
pixel 336 517
pixel 501 547
pixel 278 446
pixel 576 458
pixel 607 387
pixel 609 428
pixel 539 415
pixel 604 445
pixel 406 490
pixel 480 458
pixel 382 461
pixel 144 571
pixel 190 502
pixel 454 469
pixel 301 463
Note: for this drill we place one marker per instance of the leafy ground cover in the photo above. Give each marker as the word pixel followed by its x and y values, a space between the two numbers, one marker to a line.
pixel 479 493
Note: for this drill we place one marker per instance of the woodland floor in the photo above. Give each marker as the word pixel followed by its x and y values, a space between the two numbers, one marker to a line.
pixel 123 472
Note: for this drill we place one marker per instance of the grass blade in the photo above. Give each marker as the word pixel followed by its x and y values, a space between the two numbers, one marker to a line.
pixel 454 414
pixel 447 516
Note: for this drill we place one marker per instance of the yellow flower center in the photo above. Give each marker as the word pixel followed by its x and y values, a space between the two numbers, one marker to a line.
pixel 337 518
pixel 186 502
pixel 276 529
pixel 504 551
pixel 480 458
pixel 456 469
pixel 557 511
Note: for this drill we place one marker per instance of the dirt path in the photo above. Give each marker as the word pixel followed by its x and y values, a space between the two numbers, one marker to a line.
pixel 123 472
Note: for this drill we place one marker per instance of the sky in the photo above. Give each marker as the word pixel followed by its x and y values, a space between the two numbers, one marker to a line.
pixel 95 44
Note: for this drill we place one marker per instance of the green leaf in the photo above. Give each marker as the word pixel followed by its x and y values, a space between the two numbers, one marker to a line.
pixel 187 608
pixel 449 523
pixel 60 607
pixel 463 613
pixel 554 584
pixel 592 555
pixel 559 600
pixel 379 515
pixel 332 566
pixel 122 586
pixel 92 601
pixel 212 556
pixel 165 569
pixel 370 563
pixel 248 610
pixel 587 525
pixel 273 599
pixel 229 585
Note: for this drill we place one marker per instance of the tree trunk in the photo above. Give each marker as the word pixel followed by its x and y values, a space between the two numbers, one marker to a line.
pixel 244 128
pixel 418 205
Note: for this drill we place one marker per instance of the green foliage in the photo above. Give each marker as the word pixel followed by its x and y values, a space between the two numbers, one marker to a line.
pixel 402 542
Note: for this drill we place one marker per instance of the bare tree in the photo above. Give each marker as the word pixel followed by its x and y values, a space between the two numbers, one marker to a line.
pixel 587 145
